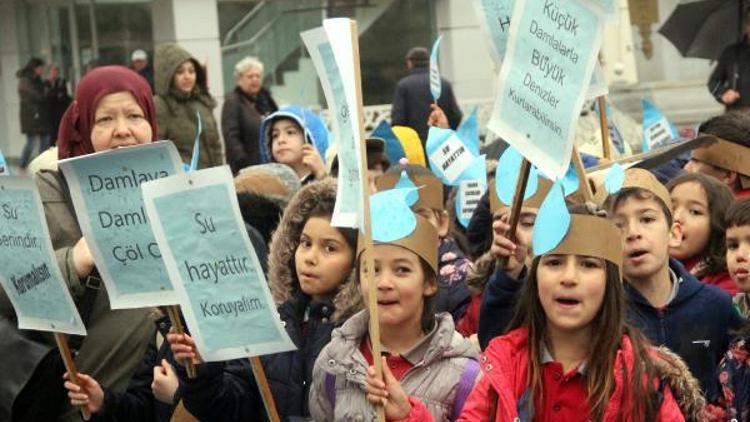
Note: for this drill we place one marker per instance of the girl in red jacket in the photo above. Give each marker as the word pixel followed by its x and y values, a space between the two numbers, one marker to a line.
pixel 700 203
pixel 571 356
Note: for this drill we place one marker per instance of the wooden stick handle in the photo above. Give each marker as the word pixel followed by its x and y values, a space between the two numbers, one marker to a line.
pixel 606 147
pixel 265 389
pixel 584 187
pixel 515 211
pixel 70 366
pixel 176 319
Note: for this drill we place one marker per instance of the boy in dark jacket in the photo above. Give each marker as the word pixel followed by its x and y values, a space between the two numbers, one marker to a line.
pixel 665 301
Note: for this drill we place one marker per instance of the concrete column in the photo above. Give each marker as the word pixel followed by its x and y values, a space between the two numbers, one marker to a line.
pixel 194 24
pixel 11 59
pixel 464 57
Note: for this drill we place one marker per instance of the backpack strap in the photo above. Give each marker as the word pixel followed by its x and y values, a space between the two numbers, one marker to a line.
pixel 464 387
pixel 330 388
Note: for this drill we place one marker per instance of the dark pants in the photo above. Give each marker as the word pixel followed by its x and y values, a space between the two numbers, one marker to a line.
pixel 28 149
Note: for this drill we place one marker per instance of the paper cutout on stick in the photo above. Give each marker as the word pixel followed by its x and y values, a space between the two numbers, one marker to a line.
pixel 404 182
pixel 506 176
pixel 472 185
pixel 552 221
pixel 448 155
pixel 392 217
pixel 435 84
pixel 615 179
pixel 468 131
pixel 570 182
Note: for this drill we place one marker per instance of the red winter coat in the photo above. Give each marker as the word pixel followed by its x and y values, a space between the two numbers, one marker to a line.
pixel 505 365
pixel 469 323
pixel 721 280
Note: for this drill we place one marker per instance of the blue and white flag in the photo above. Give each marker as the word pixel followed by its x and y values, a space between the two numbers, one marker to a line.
pixel 657 130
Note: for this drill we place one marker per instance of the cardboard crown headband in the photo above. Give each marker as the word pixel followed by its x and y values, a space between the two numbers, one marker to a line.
pixel 727 155
pixel 618 179
pixel 430 192
pixel 423 241
pixel 590 235
pixel 535 201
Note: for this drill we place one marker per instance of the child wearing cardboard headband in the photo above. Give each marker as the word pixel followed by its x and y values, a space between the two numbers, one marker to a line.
pixel 453 267
pixel 570 355
pixel 428 368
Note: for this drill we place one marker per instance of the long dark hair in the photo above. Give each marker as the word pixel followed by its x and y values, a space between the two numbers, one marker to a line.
pixel 718 197
pixel 28 70
pixel 608 328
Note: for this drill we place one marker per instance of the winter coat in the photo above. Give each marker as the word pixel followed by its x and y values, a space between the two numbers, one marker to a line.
pixel 412 99
pixel 314 128
pixel 116 340
pixel 734 62
pixel 309 325
pixel 176 111
pixel 58 100
pixel 721 280
pixel 241 117
pixel 34 119
pixel 479 231
pixel 505 367
pixel 138 402
pixel 452 296
pixel 733 401
pixel 448 365
pixel 222 392
pixel 695 324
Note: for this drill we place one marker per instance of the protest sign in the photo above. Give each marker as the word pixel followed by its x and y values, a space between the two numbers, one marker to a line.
pixel 449 157
pixel 551 53
pixel 29 272
pixel 106 193
pixel 598 86
pixel 657 131
pixel 330 48
pixel 472 185
pixel 221 287
pixel 494 19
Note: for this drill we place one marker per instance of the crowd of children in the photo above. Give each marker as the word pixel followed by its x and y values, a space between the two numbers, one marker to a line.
pixel 638 313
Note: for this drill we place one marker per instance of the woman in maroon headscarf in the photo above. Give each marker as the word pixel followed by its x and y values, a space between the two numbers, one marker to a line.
pixel 113 107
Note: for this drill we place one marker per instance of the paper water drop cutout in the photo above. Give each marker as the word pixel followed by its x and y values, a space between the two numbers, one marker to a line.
pixel 615 179
pixel 391 215
pixel 404 182
pixel 506 176
pixel 552 221
pixel 570 182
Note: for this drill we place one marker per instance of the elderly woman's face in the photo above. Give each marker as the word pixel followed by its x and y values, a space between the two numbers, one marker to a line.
pixel 250 81
pixel 119 122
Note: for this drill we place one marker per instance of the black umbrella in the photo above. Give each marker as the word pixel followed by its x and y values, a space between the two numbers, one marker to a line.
pixel 703 28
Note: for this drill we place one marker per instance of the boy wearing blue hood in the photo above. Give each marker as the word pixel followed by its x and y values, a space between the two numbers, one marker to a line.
pixel 296 137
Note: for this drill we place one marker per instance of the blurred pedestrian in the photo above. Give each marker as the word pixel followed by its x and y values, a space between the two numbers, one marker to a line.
pixel 139 63
pixel 243 112
pixel 57 97
pixel 34 121
pixel 729 83
pixel 412 102
pixel 181 96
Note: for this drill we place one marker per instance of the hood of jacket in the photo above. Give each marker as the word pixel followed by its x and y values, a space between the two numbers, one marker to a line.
pixel 312 125
pixel 446 342
pixel 167 58
pixel 505 363
pixel 282 277
pixel 689 287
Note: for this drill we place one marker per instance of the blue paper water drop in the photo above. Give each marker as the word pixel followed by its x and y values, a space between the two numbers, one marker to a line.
pixel 552 221
pixel 391 215
pixel 506 177
pixel 404 182
pixel 570 182
pixel 615 179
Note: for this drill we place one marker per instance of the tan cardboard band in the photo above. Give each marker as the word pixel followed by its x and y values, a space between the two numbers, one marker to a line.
pixel 423 241
pixel 727 155
pixel 639 178
pixel 430 192
pixel 543 187
pixel 592 236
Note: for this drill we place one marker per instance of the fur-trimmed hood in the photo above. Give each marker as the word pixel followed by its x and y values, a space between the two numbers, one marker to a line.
pixel 282 278
pixel 685 387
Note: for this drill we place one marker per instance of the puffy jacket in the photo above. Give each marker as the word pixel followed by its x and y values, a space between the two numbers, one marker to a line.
pixel 316 132
pixel 176 111
pixel 505 367
pixel 695 325
pixel 308 324
pixel 241 117
pixel 34 119
pixel 453 296
pixel 435 385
